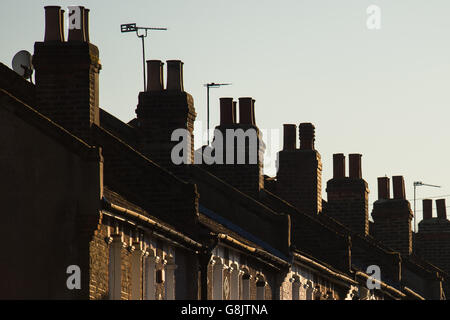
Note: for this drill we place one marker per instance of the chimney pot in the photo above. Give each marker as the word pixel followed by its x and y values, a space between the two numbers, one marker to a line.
pixel 246 106
pixel 307 136
pixel 399 187
pixel 86 24
pixel 289 137
pixel 155 75
pixel 54 18
pixel 175 75
pixel 338 166
pixel 441 209
pixel 355 171
pixel 226 111
pixel 234 112
pixel 427 206
pixel 253 111
pixel 77 26
pixel 383 188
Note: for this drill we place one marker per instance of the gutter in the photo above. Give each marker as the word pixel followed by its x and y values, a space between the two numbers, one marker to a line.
pixel 253 250
pixel 382 284
pixel 152 223
pixel 315 265
pixel 414 294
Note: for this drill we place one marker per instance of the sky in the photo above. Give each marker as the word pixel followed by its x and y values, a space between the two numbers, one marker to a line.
pixel 382 92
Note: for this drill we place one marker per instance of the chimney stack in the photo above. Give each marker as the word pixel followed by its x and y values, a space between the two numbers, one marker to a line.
pixel 227 111
pixel 67 73
pixel 441 209
pixel 175 75
pixel 427 206
pixel 241 162
pixel 355 171
pixel 383 188
pixel 392 217
pixel 299 176
pixel 155 75
pixel 162 111
pixel 338 166
pixel 348 196
pixel 289 136
pixel 432 242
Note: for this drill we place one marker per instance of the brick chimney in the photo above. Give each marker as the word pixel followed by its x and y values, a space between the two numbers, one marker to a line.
pixel 392 217
pixel 299 176
pixel 241 162
pixel 348 197
pixel 162 111
pixel 67 72
pixel 433 239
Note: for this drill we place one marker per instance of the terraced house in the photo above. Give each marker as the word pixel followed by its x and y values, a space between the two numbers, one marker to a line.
pixel 82 188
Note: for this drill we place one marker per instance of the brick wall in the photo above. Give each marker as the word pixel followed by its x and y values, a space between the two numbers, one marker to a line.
pixel 67 84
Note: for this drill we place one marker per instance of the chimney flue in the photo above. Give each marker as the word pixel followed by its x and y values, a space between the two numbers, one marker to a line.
pixel 427 206
pixel 289 137
pixel 246 106
pixel 226 111
pixel 441 209
pixel 77 26
pixel 155 77
pixel 399 187
pixel 383 188
pixel 54 24
pixel 175 75
pixel 338 166
pixel 355 171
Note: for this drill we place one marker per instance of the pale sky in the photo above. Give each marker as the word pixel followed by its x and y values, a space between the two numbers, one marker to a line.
pixel 382 93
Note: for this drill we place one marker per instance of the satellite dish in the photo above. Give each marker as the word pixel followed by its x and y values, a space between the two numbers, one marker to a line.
pixel 21 64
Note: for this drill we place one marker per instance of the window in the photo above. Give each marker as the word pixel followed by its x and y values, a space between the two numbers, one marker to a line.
pixel 150 275
pixel 296 288
pixel 170 278
pixel 114 267
pixel 217 266
pixel 136 269
pixel 246 286
pixel 234 282
pixel 260 289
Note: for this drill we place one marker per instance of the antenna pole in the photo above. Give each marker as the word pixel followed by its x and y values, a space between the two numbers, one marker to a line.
pixel 207 112
pixel 143 60
pixel 211 85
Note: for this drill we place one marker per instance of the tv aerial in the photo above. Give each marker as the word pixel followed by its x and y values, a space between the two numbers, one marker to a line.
pixel 131 27
pixel 21 64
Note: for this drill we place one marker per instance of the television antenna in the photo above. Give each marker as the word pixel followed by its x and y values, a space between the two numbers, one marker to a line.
pixel 211 85
pixel 21 64
pixel 131 27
